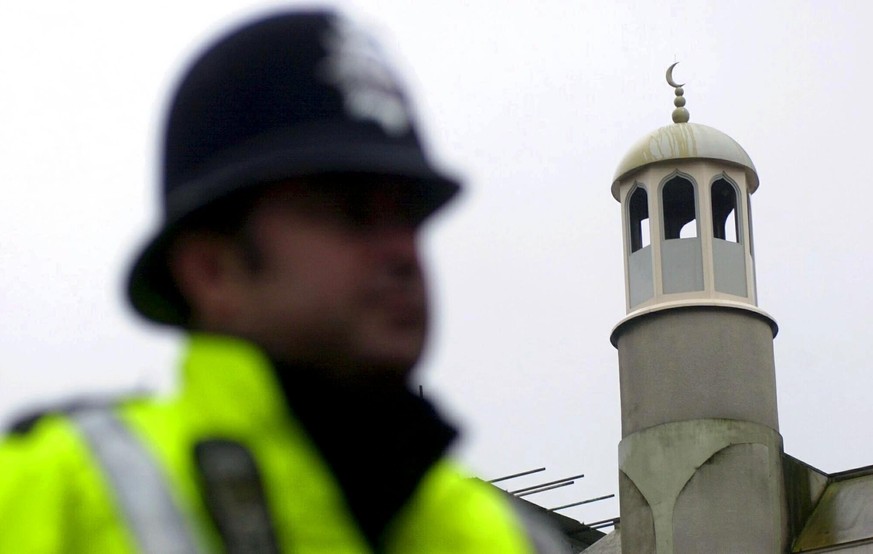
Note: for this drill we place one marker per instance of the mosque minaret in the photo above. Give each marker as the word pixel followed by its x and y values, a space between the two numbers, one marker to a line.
pixel 700 460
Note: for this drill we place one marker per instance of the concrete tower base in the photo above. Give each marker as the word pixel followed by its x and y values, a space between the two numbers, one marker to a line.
pixel 701 458
pixel 702 486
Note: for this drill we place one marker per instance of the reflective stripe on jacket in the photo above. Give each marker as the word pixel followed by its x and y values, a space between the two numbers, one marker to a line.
pixel 58 495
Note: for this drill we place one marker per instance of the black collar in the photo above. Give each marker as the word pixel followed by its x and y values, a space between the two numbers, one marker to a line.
pixel 378 440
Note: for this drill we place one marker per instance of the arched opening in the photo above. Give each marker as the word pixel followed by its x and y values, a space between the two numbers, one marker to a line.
pixel 725 223
pixel 638 218
pixel 680 212
pixel 728 251
pixel 681 252
pixel 639 256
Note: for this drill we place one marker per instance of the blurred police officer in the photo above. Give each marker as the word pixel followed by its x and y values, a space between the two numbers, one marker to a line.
pixel 294 189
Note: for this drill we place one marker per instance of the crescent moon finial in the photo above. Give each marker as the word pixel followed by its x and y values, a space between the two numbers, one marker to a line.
pixel 670 80
pixel 680 114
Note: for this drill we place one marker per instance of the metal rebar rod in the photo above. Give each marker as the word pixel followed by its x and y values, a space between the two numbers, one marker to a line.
pixel 514 475
pixel 589 501
pixel 602 523
pixel 541 485
pixel 558 486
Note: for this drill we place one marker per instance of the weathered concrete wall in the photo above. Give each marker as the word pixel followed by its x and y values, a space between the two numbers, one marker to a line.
pixel 637 523
pixel 696 363
pixel 725 506
pixel 702 486
pixel 610 544
pixel 804 486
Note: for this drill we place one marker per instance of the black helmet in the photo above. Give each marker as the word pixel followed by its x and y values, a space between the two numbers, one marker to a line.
pixel 290 95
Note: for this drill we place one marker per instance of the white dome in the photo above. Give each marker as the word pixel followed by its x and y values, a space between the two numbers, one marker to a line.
pixel 685 141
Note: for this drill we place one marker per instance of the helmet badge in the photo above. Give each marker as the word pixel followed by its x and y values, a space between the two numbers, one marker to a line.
pixel 355 65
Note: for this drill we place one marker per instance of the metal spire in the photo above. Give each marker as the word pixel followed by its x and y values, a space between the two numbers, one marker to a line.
pixel 680 114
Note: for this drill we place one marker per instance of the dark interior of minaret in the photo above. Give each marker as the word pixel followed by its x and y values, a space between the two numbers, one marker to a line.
pixel 638 212
pixel 724 211
pixel 680 215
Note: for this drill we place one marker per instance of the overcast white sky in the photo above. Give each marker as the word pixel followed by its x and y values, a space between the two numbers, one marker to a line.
pixel 534 103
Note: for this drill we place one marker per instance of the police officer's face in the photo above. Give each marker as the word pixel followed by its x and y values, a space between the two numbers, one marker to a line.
pixel 336 281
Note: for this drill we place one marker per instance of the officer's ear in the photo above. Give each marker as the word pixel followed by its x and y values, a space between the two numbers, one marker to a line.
pixel 210 274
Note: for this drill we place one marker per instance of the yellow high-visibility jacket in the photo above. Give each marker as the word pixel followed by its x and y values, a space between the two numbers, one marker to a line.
pixel 56 494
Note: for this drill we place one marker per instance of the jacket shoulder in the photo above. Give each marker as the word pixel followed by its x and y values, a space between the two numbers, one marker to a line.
pixel 480 517
pixel 29 420
pixel 53 496
pixel 448 503
pixel 46 447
